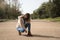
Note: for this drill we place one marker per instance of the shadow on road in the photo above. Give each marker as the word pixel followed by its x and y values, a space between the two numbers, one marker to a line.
pixel 44 36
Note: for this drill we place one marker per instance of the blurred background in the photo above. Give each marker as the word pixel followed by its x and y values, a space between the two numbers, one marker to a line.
pixel 47 9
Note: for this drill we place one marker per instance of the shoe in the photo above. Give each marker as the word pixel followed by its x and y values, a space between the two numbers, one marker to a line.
pixel 29 34
pixel 19 33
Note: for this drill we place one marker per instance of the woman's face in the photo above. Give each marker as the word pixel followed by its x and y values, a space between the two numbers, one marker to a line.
pixel 25 16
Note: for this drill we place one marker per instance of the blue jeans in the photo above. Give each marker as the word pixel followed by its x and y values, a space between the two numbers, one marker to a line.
pixel 20 29
pixel 27 25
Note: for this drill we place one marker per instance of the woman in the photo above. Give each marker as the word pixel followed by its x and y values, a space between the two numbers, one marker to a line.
pixel 23 23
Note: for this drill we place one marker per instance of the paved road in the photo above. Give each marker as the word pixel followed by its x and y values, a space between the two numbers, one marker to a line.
pixel 41 30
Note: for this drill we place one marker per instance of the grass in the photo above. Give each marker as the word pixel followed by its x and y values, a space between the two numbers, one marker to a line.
pixel 54 19
pixel 49 19
pixel 3 20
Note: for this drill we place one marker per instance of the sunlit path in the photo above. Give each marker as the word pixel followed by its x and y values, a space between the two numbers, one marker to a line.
pixel 41 30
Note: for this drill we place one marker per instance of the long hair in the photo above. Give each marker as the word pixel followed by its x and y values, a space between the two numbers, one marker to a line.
pixel 28 17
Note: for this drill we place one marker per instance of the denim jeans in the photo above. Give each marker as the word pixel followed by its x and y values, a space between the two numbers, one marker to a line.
pixel 20 29
pixel 27 25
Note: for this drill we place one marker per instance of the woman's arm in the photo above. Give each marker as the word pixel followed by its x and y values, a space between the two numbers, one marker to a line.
pixel 22 22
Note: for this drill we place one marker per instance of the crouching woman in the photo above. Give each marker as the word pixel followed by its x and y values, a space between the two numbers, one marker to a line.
pixel 24 23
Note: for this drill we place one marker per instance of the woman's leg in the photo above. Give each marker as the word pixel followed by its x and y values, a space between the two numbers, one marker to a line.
pixel 19 32
pixel 28 25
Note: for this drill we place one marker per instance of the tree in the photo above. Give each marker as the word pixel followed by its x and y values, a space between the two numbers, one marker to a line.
pixel 49 9
pixel 57 7
pixel 9 11
pixel 1 1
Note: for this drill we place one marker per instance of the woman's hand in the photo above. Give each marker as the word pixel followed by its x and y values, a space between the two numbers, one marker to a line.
pixel 25 30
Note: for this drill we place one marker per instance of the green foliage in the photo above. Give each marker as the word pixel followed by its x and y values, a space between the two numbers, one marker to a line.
pixel 48 10
pixel 57 7
pixel 7 12
pixel 1 13
pixel 35 15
